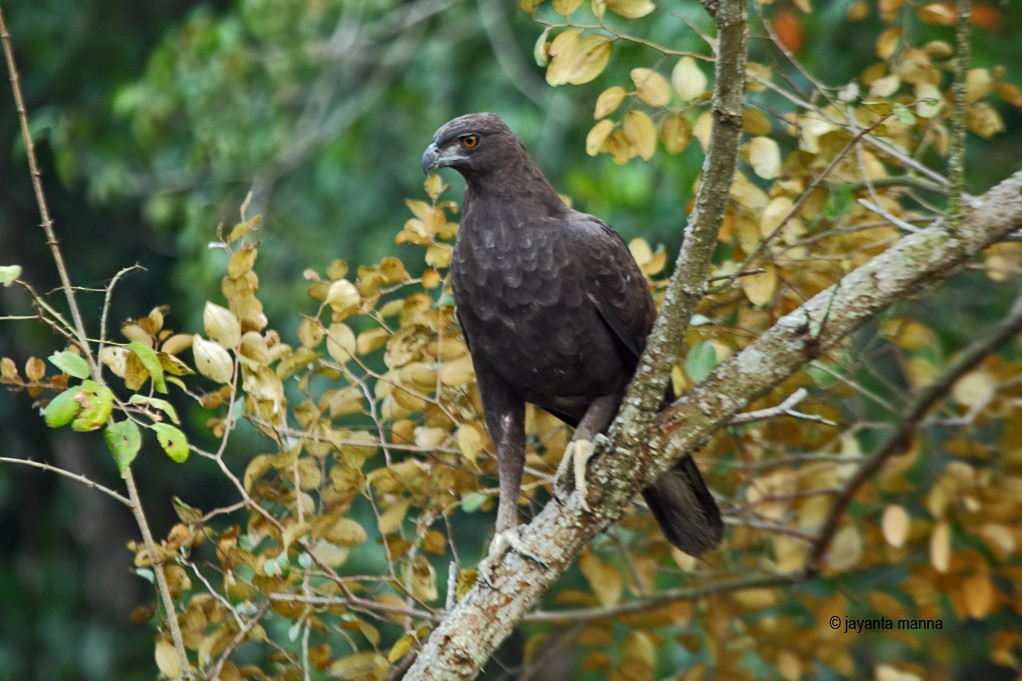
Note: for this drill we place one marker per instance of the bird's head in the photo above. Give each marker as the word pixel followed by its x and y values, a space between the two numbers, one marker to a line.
pixel 471 144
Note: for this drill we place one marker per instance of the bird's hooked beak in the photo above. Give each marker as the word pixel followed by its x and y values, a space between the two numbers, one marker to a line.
pixel 430 159
pixel 434 158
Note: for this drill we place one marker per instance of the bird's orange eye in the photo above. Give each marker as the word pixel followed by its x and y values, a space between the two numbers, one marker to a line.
pixel 470 141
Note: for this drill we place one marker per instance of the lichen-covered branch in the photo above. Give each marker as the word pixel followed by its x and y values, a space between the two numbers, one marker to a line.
pixel 646 392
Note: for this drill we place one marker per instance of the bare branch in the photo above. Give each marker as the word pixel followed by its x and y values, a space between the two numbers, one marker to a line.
pixel 68 474
pixel 897 441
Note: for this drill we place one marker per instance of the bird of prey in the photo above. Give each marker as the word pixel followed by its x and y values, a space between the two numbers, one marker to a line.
pixel 555 312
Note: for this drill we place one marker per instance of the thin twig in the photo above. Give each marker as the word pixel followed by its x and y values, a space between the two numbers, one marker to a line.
pixel 82 339
pixel 897 441
pixel 68 474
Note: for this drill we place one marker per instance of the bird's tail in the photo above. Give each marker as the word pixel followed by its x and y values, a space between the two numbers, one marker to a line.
pixel 683 505
pixel 684 508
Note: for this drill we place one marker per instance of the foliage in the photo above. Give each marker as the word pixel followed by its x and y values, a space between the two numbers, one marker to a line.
pixel 358 519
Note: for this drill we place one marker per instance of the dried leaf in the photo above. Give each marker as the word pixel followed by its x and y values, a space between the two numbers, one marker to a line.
pixel 759 288
pixel 895 525
pixel 641 133
pixel 940 546
pixel 598 136
pixel 650 87
pixel 608 101
pixel 979 595
pixel 688 80
pixel 340 342
pixel 212 360
pixel 630 9
pixel 765 157
pixel 575 59
pixel 603 578
pixel 676 133
pixel 565 7
pixel 221 325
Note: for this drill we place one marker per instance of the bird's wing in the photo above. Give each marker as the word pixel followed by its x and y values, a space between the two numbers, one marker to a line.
pixel 614 281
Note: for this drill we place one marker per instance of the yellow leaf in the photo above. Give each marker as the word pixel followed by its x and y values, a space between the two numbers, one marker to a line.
pixel 804 5
pixel 221 325
pixel 978 594
pixel 845 549
pixel 937 14
pixel 998 539
pixel 650 87
pixel 640 647
pixel 888 41
pixel 343 297
pixel 906 333
pixel 598 135
pixel 755 122
pixel 603 578
pixel 676 133
pixel 640 250
pixel 884 87
pixel 895 525
pixel 470 441
pixel 886 672
pixel 212 360
pixel 688 80
pixel 940 546
pixel 765 157
pixel 777 210
pixel 608 101
pixel 346 532
pixel 789 666
pixel 973 388
pixel 167 660
pixel 984 120
pixel 630 9
pixel 640 133
pixel 457 371
pixel 759 288
pixel 358 666
pixel 934 97
pixel 434 187
pixel 577 60
pixel 340 342
pixel 566 7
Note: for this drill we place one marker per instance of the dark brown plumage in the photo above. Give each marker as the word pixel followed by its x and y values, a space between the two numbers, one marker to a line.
pixel 555 311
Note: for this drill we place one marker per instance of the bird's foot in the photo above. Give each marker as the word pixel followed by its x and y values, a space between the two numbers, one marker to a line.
pixel 576 457
pixel 508 540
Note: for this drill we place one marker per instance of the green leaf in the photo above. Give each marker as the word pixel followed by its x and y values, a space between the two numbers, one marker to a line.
pixel 699 361
pixel 97 402
pixel 8 273
pixel 173 441
pixel 62 408
pixel 151 361
pixel 70 363
pixel 840 202
pixel 156 403
pixel 124 439
pixel 904 114
pixel 471 502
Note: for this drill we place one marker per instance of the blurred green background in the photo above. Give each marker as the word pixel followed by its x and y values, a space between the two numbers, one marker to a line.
pixel 154 120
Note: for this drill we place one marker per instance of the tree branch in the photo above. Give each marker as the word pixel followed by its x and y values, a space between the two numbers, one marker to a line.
pixel 459 648
pixel 468 634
